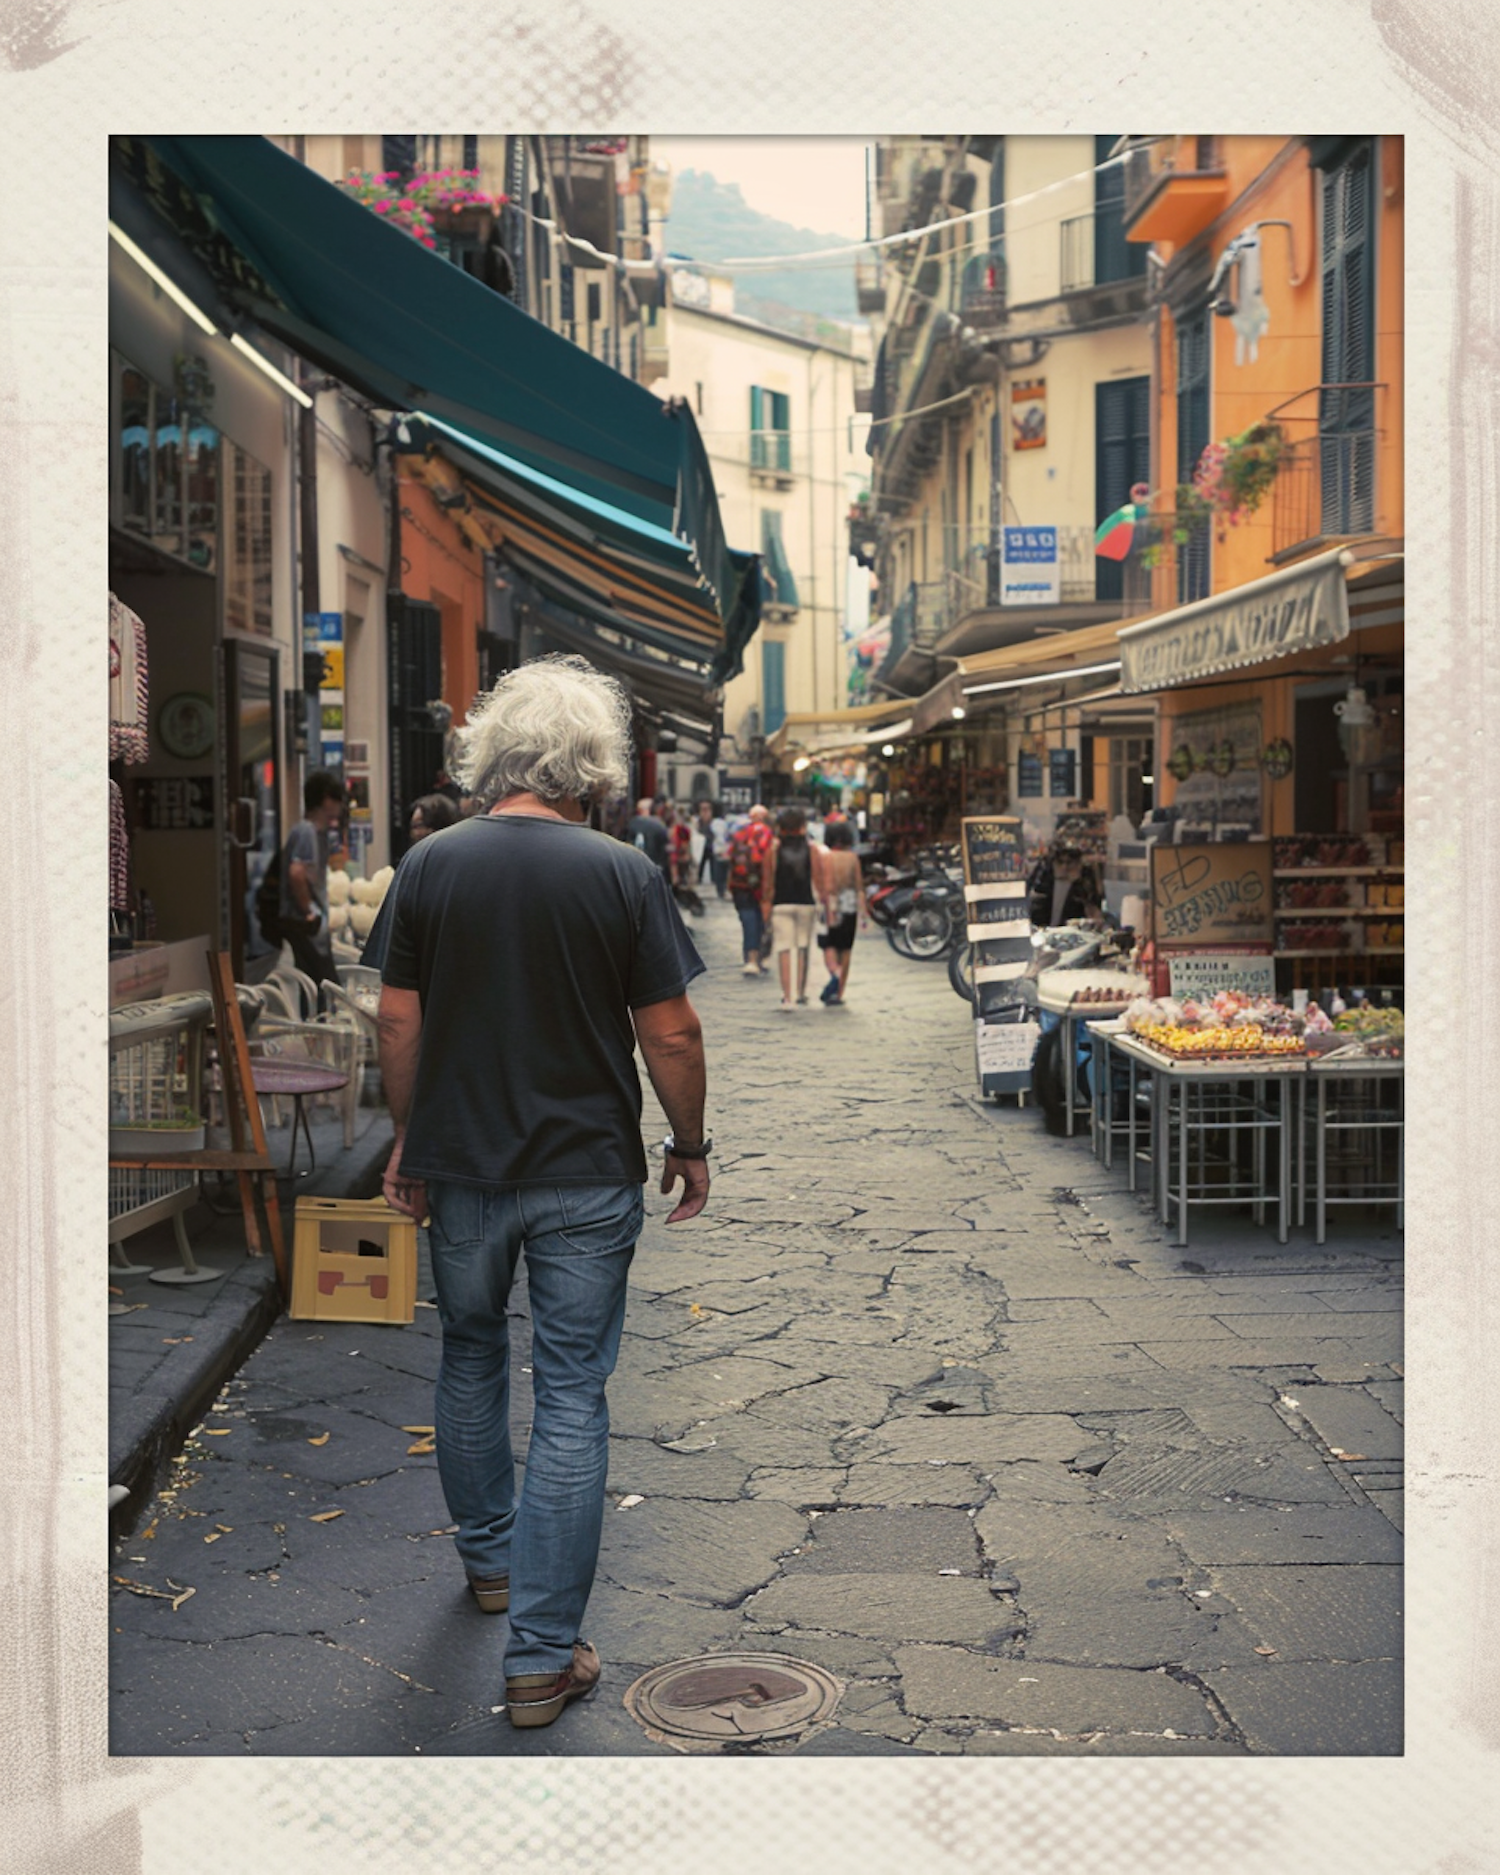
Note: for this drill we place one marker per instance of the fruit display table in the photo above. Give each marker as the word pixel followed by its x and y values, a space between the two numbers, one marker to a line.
pixel 1207 1118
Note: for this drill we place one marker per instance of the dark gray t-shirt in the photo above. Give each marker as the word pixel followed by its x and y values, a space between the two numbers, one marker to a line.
pixel 530 940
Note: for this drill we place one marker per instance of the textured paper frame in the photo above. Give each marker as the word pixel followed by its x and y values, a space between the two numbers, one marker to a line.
pixel 72 71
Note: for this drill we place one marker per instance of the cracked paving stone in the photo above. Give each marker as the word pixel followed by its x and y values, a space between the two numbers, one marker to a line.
pixel 1303 1709
pixel 642 1466
pixel 887 1607
pixel 225 1607
pixel 1143 1476
pixel 982 1439
pixel 948 1683
pixel 799 1487
pixel 699 1552
pixel 1250 1534
pixel 904 1541
pixel 1348 1419
pixel 1338 1612
pixel 827 1405
pixel 706 1387
pixel 1114 1745
pixel 924 1485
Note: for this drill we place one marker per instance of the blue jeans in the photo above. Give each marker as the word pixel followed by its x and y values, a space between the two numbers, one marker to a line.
pixel 578 1241
pixel 752 923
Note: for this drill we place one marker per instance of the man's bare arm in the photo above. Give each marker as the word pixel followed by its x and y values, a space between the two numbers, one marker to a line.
pixel 400 1024
pixel 671 1041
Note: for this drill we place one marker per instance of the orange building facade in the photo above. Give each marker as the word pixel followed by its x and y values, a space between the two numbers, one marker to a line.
pixel 1275 534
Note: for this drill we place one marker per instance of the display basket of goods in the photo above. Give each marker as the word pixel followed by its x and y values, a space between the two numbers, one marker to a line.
pixel 1324 850
pixel 1364 1032
pixel 1232 1027
pixel 1096 992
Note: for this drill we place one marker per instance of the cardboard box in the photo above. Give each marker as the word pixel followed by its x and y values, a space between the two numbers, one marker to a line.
pixel 353 1260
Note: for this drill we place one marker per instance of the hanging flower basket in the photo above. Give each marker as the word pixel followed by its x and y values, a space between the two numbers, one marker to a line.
pixel 1233 478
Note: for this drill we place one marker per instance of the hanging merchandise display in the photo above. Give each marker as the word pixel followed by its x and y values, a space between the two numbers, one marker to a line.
pixel 129 740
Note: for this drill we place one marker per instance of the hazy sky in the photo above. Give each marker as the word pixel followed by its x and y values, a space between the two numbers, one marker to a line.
pixel 812 182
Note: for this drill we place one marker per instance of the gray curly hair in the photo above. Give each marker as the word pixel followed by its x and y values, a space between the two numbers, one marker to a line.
pixel 554 727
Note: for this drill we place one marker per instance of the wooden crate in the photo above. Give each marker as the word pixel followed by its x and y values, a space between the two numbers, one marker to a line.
pixel 354 1260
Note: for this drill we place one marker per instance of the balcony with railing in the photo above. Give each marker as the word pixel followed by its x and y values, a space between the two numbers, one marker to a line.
pixel 982 289
pixel 1174 187
pixel 1325 487
pixel 771 452
pixel 869 284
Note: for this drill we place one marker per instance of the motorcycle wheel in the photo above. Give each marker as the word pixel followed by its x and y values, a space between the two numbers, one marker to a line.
pixel 929 933
pixel 961 971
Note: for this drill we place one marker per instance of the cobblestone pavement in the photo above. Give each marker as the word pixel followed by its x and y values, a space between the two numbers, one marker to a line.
pixel 925 1397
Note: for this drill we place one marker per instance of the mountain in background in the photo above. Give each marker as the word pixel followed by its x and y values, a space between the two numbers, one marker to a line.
pixel 711 220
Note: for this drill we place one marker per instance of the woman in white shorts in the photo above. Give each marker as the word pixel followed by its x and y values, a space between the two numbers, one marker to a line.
pixel 794 885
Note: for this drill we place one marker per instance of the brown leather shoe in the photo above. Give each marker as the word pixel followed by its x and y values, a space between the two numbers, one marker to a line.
pixel 492 1594
pixel 537 1698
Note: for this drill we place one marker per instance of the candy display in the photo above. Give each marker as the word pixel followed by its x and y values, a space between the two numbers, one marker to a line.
pixel 1232 1023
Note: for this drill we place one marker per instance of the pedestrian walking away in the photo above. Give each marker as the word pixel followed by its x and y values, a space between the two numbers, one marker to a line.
pixel 843 908
pixel 748 851
pixel 528 955
pixel 292 901
pixel 647 833
pixel 794 883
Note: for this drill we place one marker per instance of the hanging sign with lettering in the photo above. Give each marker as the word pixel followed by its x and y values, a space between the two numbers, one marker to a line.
pixel 1203 895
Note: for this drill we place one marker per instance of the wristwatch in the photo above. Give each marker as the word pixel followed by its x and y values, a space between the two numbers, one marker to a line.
pixel 670 1146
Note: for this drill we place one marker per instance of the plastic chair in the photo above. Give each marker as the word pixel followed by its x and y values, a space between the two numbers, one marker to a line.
pixel 359 977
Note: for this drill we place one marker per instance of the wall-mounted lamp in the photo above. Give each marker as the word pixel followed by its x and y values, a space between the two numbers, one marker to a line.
pixel 802 761
pixel 887 748
pixel 959 712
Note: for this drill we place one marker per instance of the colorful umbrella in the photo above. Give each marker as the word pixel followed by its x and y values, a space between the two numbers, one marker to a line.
pixel 1115 534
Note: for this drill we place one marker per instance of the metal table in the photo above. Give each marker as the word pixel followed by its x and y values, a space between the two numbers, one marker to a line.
pixel 1322 1112
pixel 297 1079
pixel 1193 1102
pixel 1058 998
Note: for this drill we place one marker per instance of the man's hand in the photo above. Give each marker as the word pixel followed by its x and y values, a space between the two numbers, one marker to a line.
pixel 406 1195
pixel 694 1176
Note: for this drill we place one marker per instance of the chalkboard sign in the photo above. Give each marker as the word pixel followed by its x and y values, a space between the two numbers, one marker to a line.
pixel 1062 772
pixel 1211 894
pixel 994 850
pixel 1028 775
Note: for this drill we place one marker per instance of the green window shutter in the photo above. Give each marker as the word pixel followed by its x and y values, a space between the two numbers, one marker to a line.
pixel 757 408
pixel 1346 418
pixel 778 586
pixel 773 684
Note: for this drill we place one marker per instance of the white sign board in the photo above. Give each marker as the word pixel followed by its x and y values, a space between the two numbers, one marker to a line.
pixel 1030 571
pixel 1203 977
pixel 1005 1047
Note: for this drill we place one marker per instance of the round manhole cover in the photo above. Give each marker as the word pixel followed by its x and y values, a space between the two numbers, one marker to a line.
pixel 724 1699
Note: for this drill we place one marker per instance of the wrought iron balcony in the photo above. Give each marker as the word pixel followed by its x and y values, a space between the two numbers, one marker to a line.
pixel 1325 488
pixel 771 451
pixel 982 289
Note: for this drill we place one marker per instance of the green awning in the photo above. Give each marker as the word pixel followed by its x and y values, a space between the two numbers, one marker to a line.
pixel 601 563
pixel 254 235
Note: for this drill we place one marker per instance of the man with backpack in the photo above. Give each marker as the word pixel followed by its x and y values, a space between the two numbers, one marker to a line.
pixel 292 902
pixel 749 847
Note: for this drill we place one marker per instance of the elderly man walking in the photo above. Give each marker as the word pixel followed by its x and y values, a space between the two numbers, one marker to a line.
pixel 527 955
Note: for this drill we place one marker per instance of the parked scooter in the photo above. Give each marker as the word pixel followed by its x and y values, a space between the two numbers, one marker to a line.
pixel 921 911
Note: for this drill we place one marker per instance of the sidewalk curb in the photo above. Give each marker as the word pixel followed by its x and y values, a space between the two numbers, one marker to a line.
pixel 159 1422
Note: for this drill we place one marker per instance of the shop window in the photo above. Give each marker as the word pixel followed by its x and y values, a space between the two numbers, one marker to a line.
pixel 247 544
pixel 165 472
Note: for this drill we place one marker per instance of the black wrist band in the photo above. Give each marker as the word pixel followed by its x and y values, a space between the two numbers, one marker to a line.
pixel 671 1147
